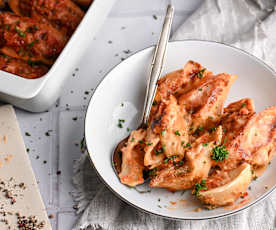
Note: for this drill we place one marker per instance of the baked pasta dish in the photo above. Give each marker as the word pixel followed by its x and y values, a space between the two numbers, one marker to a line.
pixel 193 142
pixel 34 32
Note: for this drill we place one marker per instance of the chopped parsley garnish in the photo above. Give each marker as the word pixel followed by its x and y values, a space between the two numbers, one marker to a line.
pixel 178 164
pixel 148 143
pixel 28 150
pixel 132 139
pixel 212 129
pixel 120 123
pixel 243 105
pixel 200 187
pixel 219 153
pixel 205 144
pixel 188 145
pixel 169 158
pixel 48 133
pixel 200 73
pixel 177 133
pixel 152 172
pixel 20 33
pixel 7 26
pixel 33 63
pixel 75 118
pixel 141 142
pixel 27 134
pixel 163 132
pixel 31 44
pixel 161 150
pixel 182 143
pixel 154 102
pixel 154 17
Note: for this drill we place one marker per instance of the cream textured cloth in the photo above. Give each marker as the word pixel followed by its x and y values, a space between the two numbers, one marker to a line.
pixel 247 24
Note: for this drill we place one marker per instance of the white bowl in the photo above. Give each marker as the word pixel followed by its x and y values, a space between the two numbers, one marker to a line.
pixel 39 94
pixel 126 84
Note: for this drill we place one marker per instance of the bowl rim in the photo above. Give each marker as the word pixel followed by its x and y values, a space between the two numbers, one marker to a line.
pixel 218 216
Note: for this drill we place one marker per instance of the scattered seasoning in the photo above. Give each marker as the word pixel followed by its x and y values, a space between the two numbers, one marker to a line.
pixel 154 103
pixel 58 172
pixel 75 118
pixel 199 187
pixel 204 162
pixel 122 104
pixel 266 187
pixel 219 153
pixel 159 206
pixel 177 133
pixel 182 143
pixel 159 199
pixel 27 134
pixel 86 92
pixel 148 143
pixel 109 42
pixel 205 144
pixel 141 142
pixel 200 73
pixel 255 178
pixel 76 207
pixel 51 216
pixel 44 162
pixel 243 105
pixel 200 89
pixel 29 223
pixel 132 139
pixel 28 150
pixel 249 187
pixel 154 17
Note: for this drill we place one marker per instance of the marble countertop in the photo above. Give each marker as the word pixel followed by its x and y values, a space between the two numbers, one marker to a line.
pixel 56 135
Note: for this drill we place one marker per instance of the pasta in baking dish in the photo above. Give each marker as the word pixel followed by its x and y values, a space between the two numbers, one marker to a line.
pixel 193 142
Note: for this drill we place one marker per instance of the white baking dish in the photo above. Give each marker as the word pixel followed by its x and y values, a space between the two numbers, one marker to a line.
pixel 39 94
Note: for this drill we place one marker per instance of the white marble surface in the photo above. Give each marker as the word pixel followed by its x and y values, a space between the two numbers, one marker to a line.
pixel 130 26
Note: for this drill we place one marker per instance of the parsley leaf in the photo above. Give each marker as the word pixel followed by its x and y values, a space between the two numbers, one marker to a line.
pixel 169 158
pixel 219 153
pixel 200 73
pixel 177 133
pixel 199 187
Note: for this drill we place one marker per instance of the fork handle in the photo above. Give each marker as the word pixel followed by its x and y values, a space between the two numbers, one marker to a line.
pixel 157 64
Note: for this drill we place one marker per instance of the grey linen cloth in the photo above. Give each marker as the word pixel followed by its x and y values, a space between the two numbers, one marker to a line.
pixel 247 24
